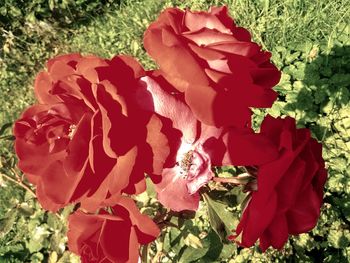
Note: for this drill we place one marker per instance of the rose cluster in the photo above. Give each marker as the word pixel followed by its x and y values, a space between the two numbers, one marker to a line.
pixel 100 127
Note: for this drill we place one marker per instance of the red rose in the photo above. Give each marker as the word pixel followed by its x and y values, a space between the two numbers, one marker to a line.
pixel 111 238
pixel 220 70
pixel 87 139
pixel 290 188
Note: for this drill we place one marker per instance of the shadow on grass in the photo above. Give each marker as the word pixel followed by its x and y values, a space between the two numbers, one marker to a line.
pixel 16 13
pixel 324 90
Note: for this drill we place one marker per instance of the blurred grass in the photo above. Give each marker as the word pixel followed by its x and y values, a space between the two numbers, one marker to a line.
pixel 304 35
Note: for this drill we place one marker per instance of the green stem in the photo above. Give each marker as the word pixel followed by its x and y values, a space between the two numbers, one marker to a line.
pixel 144 253
pixel 239 180
pixel 19 183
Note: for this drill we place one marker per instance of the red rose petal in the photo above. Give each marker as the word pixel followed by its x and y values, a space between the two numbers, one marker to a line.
pixel 247 148
pixel 175 60
pixel 109 242
pixel 201 101
pixel 196 21
pixel 206 37
pixel 66 59
pixel 276 235
pixel 78 231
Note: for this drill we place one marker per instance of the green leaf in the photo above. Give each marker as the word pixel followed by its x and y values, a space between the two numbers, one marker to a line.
pixel 221 219
pixel 7 222
pixel 215 248
pixel 4 127
pixel 34 246
pixel 209 252
pixel 192 254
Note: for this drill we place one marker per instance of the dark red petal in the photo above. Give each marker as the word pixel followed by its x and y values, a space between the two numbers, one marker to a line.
pixel 260 97
pixel 266 77
pixel 78 147
pixel 46 202
pixel 276 235
pixel 258 219
pixel 241 34
pixel 290 185
pixel 128 62
pixel 247 148
pixel 303 216
pixel 227 113
pixel 146 230
pixel 115 239
pixel 223 15
pixel 116 126
pixel 312 166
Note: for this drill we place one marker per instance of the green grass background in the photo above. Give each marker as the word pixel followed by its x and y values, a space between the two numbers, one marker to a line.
pixel 310 41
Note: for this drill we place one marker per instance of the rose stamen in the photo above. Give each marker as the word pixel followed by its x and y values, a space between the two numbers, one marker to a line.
pixel 71 131
pixel 186 163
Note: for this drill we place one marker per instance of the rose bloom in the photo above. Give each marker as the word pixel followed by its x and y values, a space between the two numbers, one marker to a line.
pixel 111 238
pixel 86 140
pixel 290 188
pixel 214 63
pixel 195 147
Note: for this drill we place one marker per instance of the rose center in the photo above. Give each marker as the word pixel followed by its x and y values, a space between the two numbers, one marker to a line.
pixel 71 131
pixel 186 163
pixel 195 167
pixel 193 162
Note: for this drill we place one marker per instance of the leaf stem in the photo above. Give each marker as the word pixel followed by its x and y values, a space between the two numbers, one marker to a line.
pixel 144 253
pixel 239 180
pixel 157 258
pixel 19 183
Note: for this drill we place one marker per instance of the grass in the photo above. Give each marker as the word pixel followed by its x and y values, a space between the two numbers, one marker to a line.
pixel 310 41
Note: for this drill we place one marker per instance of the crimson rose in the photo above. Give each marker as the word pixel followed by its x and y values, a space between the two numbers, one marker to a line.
pixel 290 188
pixel 111 238
pixel 86 140
pixel 220 70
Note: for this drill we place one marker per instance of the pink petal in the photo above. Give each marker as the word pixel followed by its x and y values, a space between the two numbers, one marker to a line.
pixel 169 106
pixel 173 192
